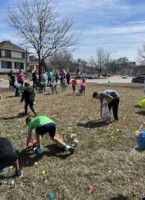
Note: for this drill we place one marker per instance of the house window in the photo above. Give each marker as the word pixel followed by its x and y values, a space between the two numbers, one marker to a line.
pixel 19 65
pixel 23 55
pixel 0 54
pixel 7 53
pixel 6 65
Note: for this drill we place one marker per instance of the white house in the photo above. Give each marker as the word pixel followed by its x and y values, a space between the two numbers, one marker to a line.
pixel 12 57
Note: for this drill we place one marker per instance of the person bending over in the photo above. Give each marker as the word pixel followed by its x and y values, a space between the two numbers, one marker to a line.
pixel 43 125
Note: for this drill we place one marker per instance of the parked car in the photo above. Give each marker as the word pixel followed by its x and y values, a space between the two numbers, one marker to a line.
pixel 81 76
pixel 125 77
pixel 90 76
pixel 138 79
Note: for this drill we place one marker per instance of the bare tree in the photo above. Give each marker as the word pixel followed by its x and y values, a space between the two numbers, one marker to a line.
pixel 101 61
pixel 62 60
pixel 39 25
pixel 141 55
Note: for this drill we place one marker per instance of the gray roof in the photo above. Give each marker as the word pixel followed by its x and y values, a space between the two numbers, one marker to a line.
pixel 8 45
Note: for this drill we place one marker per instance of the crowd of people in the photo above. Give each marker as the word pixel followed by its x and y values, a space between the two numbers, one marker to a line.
pixel 43 124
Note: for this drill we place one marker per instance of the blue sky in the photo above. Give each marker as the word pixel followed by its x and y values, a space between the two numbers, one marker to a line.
pixel 118 26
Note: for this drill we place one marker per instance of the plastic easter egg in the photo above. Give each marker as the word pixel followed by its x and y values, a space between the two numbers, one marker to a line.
pixel 136 132
pixel 12 182
pixel 128 148
pixel 36 164
pixel 112 134
pixel 112 148
pixel 90 188
pixel 43 172
pixel 30 144
pixel 51 196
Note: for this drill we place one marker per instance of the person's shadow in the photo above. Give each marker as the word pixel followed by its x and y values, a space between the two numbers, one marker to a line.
pixel 94 124
pixel 142 112
pixel 27 157
pixel 120 197
pixel 20 115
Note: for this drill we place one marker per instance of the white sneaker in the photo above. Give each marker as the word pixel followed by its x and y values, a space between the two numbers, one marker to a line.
pixel 68 147
pixel 38 150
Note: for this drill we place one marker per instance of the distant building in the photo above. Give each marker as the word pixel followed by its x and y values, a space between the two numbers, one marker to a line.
pixel 33 63
pixel 12 57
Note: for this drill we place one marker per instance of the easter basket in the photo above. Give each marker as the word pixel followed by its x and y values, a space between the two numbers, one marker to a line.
pixel 140 138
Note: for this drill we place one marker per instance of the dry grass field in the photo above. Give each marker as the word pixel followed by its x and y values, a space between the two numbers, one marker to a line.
pixel 114 175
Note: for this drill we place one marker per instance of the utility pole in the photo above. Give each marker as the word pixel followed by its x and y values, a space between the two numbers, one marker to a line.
pixel 26 60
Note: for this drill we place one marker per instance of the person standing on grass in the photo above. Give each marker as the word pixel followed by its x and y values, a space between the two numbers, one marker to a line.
pixel 68 77
pixel 49 76
pixel 18 89
pixel 28 96
pixel 74 83
pixel 34 79
pixel 53 86
pixel 83 87
pixel 11 80
pixel 8 157
pixel 43 125
pixel 112 98
pixel 21 77
pixel 64 84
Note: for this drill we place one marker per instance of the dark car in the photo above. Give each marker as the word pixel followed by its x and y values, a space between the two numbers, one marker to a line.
pixel 138 79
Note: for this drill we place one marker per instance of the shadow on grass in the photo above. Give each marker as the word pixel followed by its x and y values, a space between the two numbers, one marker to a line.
pixel 69 95
pixel 10 96
pixel 120 197
pixel 94 124
pixel 142 112
pixel 139 149
pixel 27 157
pixel 137 106
pixel 20 115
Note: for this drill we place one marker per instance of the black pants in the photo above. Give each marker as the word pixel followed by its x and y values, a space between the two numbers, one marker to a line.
pixel 7 160
pixel 31 105
pixel 114 104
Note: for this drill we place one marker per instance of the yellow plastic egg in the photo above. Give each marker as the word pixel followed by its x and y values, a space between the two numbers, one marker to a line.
pixel 136 132
pixel 43 172
pixel 35 164
pixel 112 134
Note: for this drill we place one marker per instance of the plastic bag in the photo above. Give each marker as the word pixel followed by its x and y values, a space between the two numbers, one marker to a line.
pixel 105 112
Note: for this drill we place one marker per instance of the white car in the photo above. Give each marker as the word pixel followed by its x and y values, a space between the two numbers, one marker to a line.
pixel 124 77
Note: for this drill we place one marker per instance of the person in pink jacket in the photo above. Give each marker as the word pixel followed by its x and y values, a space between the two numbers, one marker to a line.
pixel 83 87
pixel 21 77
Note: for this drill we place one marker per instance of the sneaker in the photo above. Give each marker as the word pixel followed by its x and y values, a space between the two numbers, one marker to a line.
pixel 38 150
pixel 19 173
pixel 69 148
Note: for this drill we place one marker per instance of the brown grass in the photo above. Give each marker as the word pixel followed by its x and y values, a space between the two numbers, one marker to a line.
pixel 115 175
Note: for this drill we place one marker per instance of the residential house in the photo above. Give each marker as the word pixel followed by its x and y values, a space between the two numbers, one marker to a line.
pixel 12 57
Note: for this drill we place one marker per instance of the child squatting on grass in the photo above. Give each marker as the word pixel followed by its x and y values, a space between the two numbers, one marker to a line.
pixel 8 157
pixel 43 125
